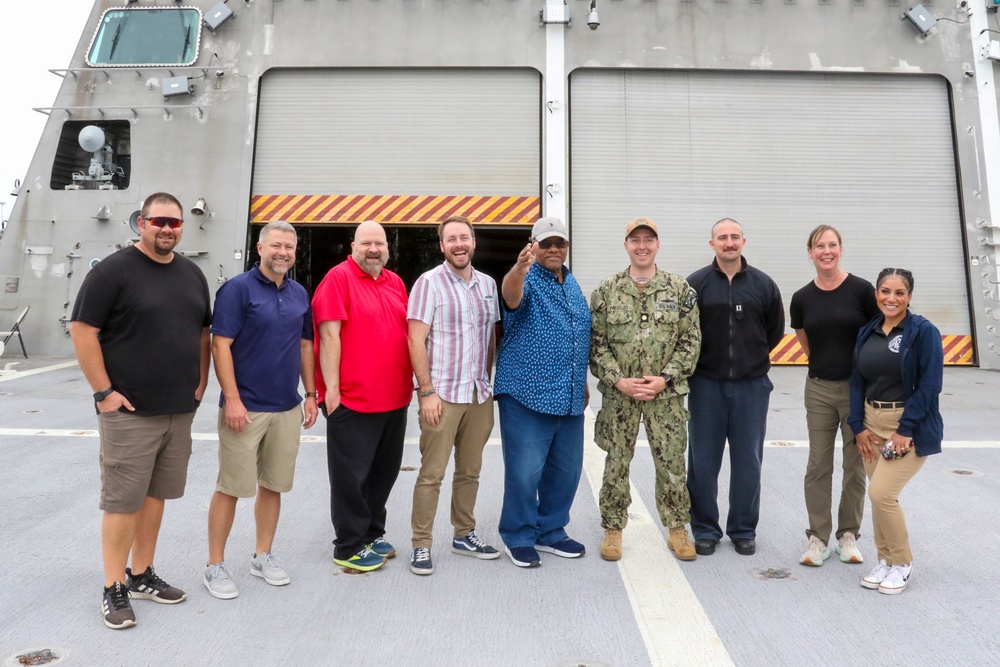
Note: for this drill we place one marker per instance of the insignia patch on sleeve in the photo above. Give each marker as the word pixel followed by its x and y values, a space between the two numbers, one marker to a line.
pixel 691 300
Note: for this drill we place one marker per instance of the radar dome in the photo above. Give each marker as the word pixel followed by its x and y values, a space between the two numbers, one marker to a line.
pixel 91 138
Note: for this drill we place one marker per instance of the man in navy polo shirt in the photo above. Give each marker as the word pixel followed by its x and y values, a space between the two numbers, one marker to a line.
pixel 262 344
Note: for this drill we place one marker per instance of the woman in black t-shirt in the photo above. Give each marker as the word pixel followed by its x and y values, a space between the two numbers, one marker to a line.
pixel 826 315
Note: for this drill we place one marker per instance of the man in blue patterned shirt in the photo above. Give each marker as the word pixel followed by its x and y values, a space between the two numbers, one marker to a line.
pixel 541 387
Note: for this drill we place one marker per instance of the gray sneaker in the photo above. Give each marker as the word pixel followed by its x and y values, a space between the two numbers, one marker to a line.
pixel 219 582
pixel 269 568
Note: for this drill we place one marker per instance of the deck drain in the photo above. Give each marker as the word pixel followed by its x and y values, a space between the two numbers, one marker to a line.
pixel 773 573
pixel 407 469
pixel 963 471
pixel 37 656
pixel 4 393
pixel 30 412
pixel 782 443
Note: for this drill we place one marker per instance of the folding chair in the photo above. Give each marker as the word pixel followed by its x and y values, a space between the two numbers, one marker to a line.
pixel 15 331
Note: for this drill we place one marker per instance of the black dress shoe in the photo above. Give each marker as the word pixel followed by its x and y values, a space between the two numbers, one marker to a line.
pixel 745 547
pixel 705 547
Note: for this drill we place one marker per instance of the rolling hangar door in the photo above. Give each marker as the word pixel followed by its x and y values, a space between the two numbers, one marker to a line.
pixel 872 155
pixel 407 147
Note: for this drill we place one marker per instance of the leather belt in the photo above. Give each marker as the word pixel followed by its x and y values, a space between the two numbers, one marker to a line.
pixel 886 405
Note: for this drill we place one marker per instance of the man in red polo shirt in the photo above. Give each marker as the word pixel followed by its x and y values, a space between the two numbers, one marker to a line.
pixel 365 384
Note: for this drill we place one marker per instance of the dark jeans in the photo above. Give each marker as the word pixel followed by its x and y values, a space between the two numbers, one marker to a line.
pixel 543 459
pixel 363 454
pixel 721 410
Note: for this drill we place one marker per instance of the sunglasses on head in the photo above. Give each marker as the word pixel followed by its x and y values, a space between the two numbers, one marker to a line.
pixel 545 244
pixel 164 221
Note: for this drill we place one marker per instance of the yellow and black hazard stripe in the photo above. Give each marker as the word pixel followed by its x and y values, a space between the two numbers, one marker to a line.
pixel 957 351
pixel 394 209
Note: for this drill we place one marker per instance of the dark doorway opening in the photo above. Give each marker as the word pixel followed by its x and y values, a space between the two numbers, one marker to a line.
pixel 412 250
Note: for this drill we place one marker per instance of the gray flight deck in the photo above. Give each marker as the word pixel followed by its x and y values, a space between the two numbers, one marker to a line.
pixel 648 609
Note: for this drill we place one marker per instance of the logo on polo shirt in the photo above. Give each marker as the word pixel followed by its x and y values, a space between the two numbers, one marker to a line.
pixel 894 343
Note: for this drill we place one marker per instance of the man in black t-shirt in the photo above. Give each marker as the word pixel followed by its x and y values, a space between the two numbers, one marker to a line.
pixel 140 328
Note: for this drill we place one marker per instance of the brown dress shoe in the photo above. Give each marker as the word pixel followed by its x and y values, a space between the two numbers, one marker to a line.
pixel 611 548
pixel 679 542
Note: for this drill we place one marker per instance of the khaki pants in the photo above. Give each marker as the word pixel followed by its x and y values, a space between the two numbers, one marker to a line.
pixel 888 477
pixel 828 404
pixel 465 427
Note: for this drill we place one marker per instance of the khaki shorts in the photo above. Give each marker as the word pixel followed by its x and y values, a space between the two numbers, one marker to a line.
pixel 142 456
pixel 263 454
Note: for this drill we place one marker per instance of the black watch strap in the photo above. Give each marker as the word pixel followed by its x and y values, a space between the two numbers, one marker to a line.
pixel 101 395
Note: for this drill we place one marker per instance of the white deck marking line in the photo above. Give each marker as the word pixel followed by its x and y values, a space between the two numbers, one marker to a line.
pixel 14 375
pixel 92 433
pixel 670 617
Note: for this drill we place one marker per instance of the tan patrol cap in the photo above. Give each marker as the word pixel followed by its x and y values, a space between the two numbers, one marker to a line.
pixel 641 222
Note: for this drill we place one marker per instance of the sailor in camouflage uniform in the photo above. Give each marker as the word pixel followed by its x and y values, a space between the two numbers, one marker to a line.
pixel 645 342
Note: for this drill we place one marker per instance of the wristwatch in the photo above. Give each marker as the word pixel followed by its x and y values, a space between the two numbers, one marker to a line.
pixel 667 378
pixel 101 395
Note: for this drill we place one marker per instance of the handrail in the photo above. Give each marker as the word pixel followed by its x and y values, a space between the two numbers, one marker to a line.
pixel 138 69
pixel 133 108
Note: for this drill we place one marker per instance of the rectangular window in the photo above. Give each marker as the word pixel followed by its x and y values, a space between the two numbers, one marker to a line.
pixel 146 36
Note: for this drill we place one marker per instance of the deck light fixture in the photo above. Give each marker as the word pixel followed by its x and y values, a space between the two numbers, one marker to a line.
pixel 217 15
pixel 921 19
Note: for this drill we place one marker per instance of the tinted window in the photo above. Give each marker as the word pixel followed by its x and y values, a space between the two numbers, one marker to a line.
pixel 146 36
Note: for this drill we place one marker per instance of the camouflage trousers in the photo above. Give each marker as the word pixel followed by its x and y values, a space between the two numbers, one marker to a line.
pixel 615 432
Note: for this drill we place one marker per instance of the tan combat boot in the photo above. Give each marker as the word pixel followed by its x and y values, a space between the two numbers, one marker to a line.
pixel 611 549
pixel 680 544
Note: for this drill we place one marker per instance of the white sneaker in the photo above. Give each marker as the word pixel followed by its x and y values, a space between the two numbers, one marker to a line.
pixel 875 578
pixel 816 553
pixel 895 581
pixel 219 582
pixel 847 547
pixel 269 568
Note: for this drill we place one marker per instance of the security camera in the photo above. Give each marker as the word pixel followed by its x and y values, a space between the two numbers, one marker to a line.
pixel 219 74
pixel 593 20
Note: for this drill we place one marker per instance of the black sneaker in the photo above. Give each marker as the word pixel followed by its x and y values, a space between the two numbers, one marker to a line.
pixel 116 608
pixel 148 586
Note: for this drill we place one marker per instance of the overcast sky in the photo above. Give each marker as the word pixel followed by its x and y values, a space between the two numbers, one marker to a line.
pixel 38 36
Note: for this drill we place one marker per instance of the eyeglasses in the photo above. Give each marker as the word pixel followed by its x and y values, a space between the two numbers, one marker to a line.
pixel 545 244
pixel 899 272
pixel 164 221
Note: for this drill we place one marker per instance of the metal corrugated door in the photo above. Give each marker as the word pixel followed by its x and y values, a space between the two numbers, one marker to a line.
pixel 398 141
pixel 872 155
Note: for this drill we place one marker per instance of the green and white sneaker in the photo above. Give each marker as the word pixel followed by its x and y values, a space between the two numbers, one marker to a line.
pixel 365 560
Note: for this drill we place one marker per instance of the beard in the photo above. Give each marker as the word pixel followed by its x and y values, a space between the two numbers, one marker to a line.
pixel 372 265
pixel 459 262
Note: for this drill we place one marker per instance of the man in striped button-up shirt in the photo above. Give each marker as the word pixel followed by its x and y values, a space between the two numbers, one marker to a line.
pixel 453 311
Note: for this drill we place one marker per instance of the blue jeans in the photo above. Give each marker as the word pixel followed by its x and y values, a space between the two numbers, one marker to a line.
pixel 721 410
pixel 543 459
